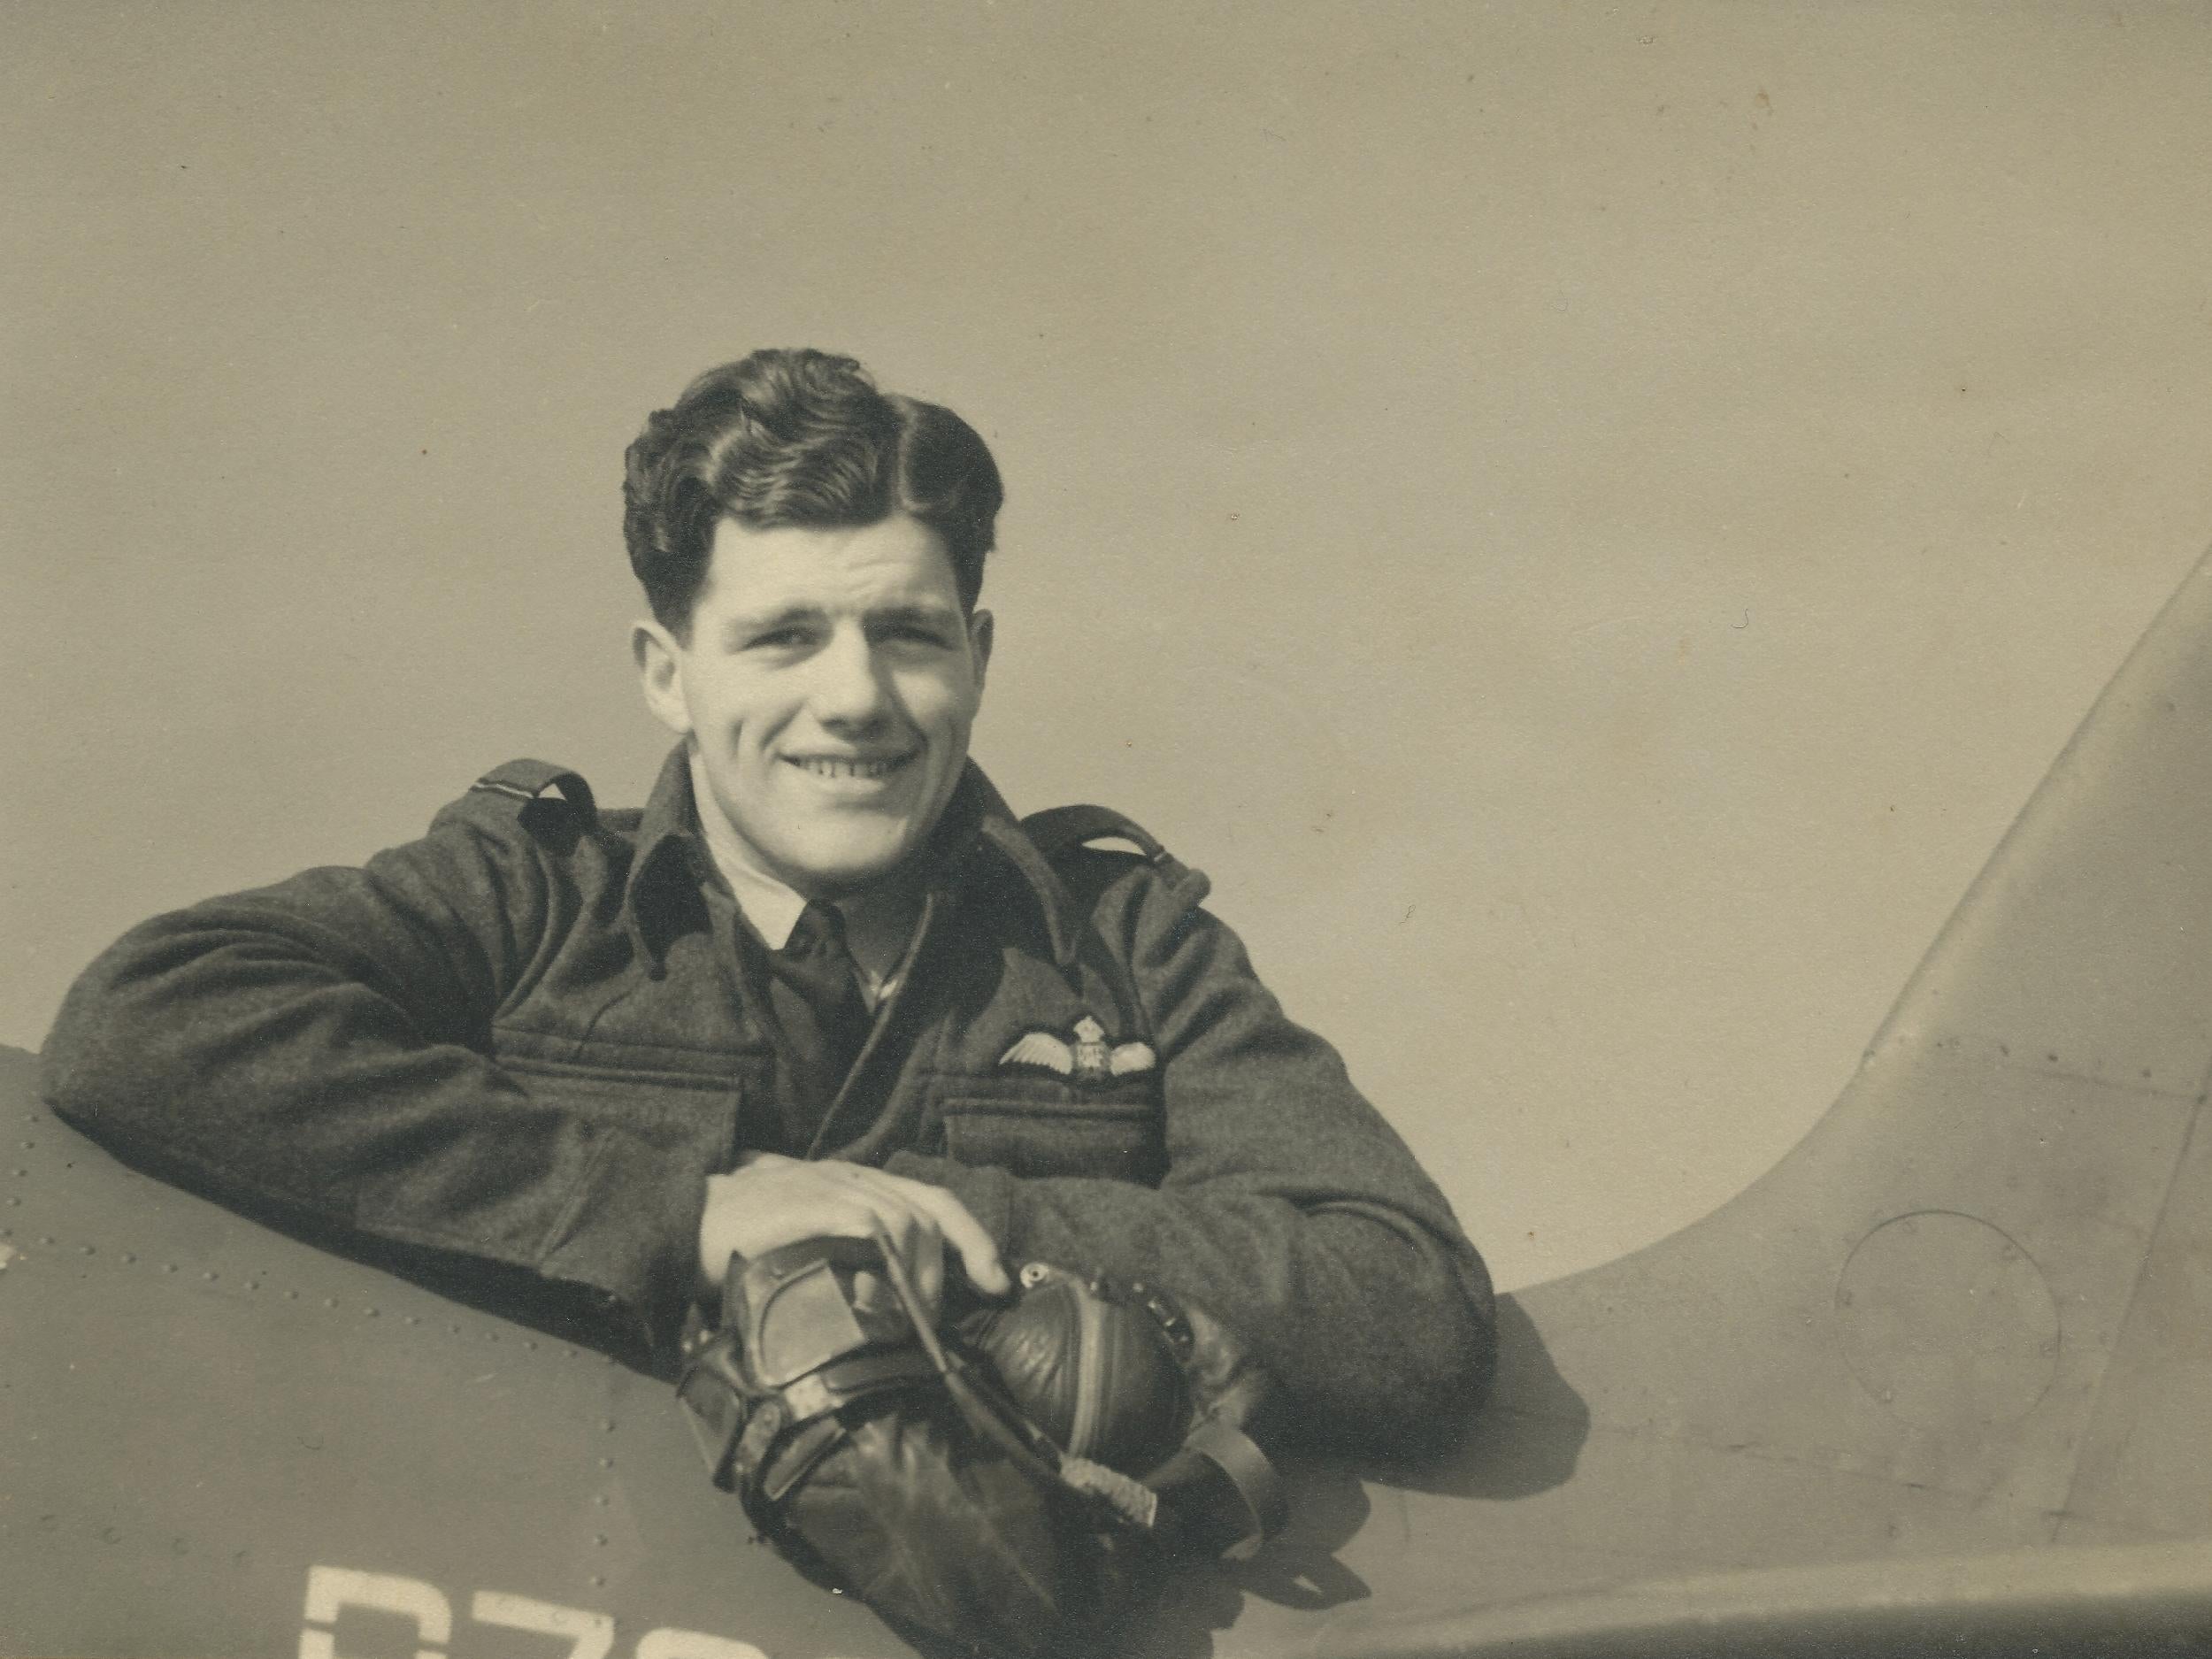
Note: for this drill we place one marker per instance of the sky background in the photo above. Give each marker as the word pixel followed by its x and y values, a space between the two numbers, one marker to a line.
pixel 1587 521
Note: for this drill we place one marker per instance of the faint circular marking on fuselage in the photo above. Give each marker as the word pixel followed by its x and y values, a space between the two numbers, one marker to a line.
pixel 1946 1322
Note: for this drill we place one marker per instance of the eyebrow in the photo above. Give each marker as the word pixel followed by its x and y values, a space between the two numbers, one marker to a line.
pixel 935 615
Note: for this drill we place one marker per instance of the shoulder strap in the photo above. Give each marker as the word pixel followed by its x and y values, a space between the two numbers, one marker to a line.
pixel 1061 829
pixel 527 779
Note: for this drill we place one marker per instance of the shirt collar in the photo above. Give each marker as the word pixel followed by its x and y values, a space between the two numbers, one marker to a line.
pixel 773 907
pixel 672 863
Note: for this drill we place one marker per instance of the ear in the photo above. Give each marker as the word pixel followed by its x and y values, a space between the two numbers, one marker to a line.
pixel 981 632
pixel 659 661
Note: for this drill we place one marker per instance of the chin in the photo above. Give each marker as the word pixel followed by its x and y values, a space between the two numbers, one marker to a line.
pixel 844 868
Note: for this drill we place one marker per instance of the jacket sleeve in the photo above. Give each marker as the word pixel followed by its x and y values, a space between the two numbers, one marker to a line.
pixel 1289 1208
pixel 317 1054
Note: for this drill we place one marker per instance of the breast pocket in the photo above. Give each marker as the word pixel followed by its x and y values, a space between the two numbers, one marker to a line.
pixel 686 1107
pixel 1034 1128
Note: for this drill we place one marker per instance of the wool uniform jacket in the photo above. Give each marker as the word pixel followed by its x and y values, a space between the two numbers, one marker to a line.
pixel 504 1058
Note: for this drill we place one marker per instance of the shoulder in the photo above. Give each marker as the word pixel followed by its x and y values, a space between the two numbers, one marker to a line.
pixel 527 842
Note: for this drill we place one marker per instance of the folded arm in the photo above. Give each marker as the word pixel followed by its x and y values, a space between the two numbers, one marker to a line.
pixel 317 1054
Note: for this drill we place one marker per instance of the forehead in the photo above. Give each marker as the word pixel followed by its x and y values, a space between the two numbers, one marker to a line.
pixel 898 560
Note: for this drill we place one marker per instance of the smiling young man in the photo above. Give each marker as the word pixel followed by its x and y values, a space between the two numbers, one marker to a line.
pixel 569 1061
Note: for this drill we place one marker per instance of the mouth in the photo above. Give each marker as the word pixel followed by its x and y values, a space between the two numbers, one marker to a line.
pixel 869 768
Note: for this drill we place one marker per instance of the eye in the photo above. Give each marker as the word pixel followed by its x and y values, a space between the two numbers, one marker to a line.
pixel 790 636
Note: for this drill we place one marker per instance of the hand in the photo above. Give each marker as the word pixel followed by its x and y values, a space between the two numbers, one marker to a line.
pixel 771 1200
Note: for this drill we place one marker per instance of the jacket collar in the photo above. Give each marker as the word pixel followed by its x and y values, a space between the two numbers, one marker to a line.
pixel 977 830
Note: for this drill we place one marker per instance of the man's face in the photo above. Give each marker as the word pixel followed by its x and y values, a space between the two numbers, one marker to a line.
pixel 827 689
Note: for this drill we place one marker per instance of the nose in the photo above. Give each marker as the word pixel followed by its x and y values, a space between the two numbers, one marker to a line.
pixel 849 688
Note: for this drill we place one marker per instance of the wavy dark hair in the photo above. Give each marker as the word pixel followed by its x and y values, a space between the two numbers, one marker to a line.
pixel 797 437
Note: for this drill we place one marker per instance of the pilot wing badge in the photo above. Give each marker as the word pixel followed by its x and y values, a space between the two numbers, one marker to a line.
pixel 1088 1061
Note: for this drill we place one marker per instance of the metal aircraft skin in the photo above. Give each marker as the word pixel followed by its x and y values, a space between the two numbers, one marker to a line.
pixel 1941 1381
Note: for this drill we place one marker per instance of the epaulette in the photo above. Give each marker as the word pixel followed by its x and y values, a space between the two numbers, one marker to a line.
pixel 1059 830
pixel 528 781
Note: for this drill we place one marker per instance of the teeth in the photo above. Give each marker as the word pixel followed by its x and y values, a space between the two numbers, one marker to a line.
pixel 825 768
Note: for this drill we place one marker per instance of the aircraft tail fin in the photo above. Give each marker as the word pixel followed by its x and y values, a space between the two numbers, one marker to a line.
pixel 1972 1310
pixel 2085 943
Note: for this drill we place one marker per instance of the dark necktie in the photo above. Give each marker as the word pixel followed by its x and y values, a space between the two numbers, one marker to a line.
pixel 823 1013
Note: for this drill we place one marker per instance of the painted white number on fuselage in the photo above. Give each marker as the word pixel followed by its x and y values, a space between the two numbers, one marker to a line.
pixel 589 1635
pixel 330 1588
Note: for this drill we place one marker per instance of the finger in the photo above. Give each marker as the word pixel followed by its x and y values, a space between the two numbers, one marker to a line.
pixel 927 1256
pixel 921 1251
pixel 901 1201
pixel 979 1253
pixel 839 1218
